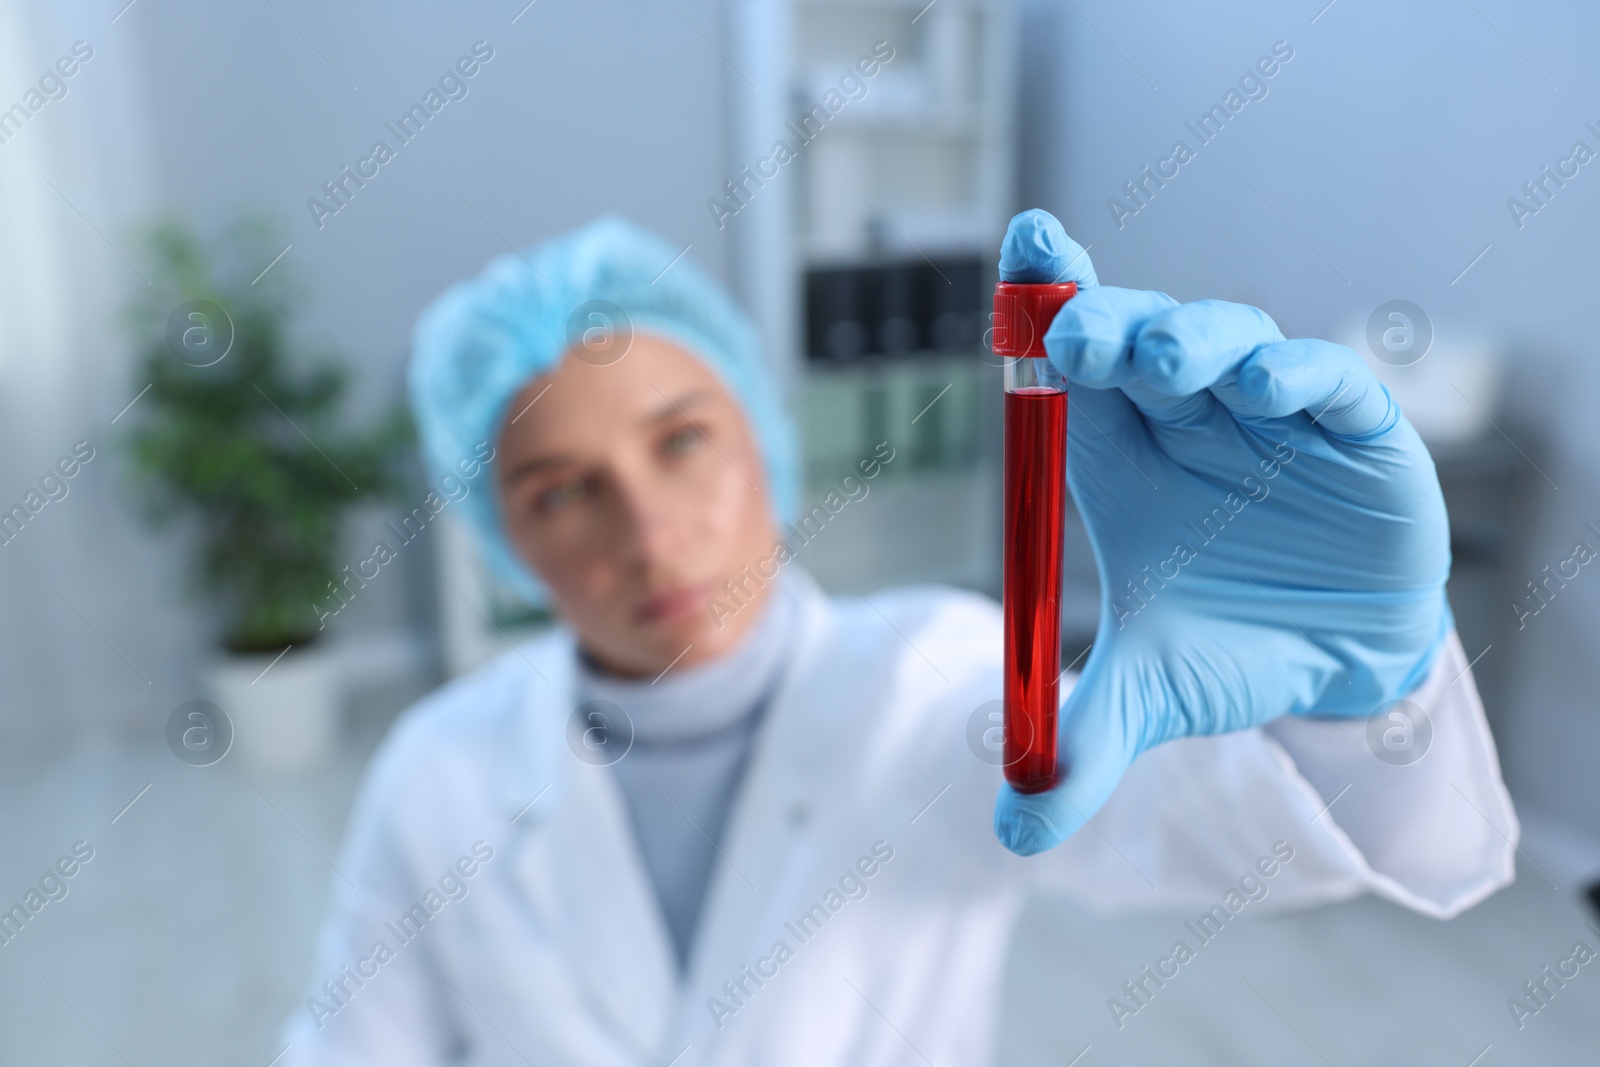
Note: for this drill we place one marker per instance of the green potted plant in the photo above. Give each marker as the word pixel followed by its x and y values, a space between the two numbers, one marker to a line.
pixel 246 446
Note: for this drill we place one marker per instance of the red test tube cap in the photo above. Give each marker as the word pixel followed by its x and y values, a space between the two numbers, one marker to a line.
pixel 1022 314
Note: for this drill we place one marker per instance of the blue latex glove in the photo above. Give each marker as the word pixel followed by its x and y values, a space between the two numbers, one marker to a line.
pixel 1269 529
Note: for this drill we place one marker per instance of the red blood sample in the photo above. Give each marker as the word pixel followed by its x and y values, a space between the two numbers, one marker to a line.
pixel 1035 498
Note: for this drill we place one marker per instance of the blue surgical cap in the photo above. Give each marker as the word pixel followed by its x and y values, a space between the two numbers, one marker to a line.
pixel 480 342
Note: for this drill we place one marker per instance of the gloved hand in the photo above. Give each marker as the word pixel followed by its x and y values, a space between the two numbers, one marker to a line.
pixel 1268 527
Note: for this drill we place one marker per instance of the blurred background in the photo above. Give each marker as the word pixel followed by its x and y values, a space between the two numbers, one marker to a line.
pixel 1406 180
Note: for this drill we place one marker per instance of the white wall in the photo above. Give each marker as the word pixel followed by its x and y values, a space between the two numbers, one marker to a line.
pixel 84 634
pixel 1392 140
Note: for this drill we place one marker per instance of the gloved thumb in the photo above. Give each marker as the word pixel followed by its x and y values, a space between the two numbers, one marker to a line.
pixel 1037 250
pixel 1099 737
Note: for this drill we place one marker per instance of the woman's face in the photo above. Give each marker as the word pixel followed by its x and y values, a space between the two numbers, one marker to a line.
pixel 635 490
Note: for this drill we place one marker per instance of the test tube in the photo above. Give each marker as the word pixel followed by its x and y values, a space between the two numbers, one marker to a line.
pixel 1035 469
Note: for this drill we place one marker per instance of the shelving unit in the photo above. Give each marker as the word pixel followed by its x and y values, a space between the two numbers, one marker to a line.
pixel 912 174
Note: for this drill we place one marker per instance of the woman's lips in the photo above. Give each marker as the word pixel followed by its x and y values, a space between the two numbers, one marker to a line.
pixel 673 602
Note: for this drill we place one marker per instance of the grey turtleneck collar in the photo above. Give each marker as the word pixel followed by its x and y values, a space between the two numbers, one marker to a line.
pixel 693 730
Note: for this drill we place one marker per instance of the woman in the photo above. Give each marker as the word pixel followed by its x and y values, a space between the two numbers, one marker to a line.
pixel 719 817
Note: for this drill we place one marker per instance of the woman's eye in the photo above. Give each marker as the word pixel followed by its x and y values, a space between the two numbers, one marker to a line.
pixel 563 494
pixel 684 440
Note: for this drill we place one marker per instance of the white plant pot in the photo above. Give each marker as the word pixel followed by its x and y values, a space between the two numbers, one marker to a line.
pixel 285 714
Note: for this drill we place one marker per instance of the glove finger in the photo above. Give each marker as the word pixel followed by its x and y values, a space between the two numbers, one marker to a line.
pixel 1195 412
pixel 1328 382
pixel 1091 341
pixel 1097 747
pixel 1037 250
pixel 1200 345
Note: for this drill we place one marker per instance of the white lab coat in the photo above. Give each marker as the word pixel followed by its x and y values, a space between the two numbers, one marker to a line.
pixel 557 953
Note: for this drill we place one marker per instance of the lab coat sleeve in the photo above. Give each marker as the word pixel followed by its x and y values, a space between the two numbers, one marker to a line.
pixel 1195 817
pixel 367 1005
pixel 1429 824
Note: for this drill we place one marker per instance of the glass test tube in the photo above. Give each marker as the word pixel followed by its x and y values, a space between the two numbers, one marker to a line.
pixel 1035 491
